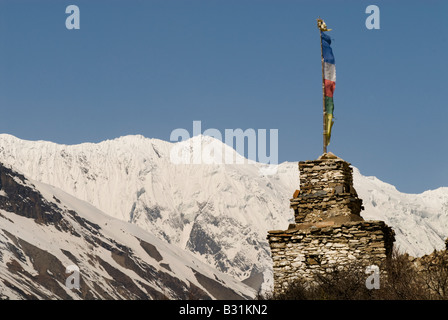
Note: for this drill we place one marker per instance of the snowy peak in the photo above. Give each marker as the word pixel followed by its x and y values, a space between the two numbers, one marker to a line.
pixel 219 212
pixel 419 220
pixel 227 207
pixel 44 231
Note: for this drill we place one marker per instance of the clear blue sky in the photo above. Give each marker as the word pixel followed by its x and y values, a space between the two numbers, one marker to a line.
pixel 148 67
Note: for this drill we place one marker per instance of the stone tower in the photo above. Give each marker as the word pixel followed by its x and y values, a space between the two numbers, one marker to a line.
pixel 326 191
pixel 328 230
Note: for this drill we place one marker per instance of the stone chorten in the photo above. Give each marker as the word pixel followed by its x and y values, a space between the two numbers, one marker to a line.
pixel 329 230
pixel 326 192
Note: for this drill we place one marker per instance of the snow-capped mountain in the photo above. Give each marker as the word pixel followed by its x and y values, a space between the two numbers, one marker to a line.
pixel 46 236
pixel 420 220
pixel 219 212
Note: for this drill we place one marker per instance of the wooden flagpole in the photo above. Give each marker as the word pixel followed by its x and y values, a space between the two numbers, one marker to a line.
pixel 323 90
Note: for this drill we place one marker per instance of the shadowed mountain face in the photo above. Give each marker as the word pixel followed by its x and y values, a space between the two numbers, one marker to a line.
pixel 43 231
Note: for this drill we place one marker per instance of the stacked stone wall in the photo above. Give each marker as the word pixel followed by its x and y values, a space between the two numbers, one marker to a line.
pixel 329 231
pixel 300 253
pixel 326 191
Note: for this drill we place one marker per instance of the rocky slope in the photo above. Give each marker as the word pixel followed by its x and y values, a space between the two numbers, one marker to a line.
pixel 44 232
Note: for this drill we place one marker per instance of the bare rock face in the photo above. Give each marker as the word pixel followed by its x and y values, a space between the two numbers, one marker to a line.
pixel 14 185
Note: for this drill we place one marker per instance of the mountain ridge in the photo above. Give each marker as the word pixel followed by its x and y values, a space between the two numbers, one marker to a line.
pixel 44 231
pixel 219 212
